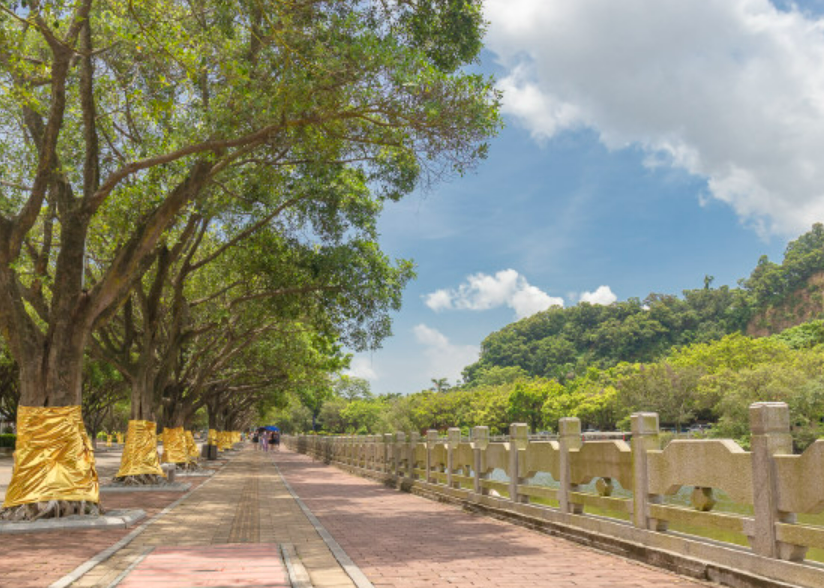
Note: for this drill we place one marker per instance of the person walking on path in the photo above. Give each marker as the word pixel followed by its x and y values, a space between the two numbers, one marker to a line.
pixel 264 440
pixel 275 440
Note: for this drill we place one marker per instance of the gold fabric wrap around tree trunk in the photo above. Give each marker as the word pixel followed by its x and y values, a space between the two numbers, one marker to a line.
pixel 235 436
pixel 174 446
pixel 54 458
pixel 140 453
pixel 191 447
pixel 212 440
pixel 224 440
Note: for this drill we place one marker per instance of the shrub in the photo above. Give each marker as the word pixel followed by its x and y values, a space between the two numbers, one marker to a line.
pixel 8 440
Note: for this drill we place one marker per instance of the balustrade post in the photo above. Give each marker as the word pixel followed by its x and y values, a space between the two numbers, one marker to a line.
pixel 453 439
pixel 387 452
pixel 645 431
pixel 770 428
pixel 569 429
pixel 400 444
pixel 518 440
pixel 431 440
pixel 411 450
pixel 480 441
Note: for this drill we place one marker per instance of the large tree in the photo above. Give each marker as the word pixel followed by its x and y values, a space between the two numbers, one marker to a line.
pixel 139 111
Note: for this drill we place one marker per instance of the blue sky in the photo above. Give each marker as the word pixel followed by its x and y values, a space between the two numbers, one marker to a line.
pixel 647 144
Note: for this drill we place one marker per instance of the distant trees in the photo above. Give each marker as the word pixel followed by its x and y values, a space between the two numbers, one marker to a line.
pixel 770 283
pixel 713 382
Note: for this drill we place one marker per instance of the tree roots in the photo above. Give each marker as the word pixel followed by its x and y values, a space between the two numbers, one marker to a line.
pixel 141 480
pixel 50 509
pixel 189 466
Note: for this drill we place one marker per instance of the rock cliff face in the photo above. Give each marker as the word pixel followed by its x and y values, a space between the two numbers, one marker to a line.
pixel 803 305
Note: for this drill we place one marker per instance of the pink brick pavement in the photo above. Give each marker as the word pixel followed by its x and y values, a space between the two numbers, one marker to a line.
pixel 257 565
pixel 35 560
pixel 404 541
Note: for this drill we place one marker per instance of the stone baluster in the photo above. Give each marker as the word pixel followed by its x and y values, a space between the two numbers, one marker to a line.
pixel 431 440
pixel 453 439
pixel 645 433
pixel 770 428
pixel 480 441
pixel 388 452
pixel 411 449
pixel 518 440
pixel 400 444
pixel 569 429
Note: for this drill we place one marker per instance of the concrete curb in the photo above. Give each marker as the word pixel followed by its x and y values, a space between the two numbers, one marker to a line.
pixel 298 576
pixel 198 474
pixel 122 575
pixel 119 519
pixel 352 570
pixel 114 489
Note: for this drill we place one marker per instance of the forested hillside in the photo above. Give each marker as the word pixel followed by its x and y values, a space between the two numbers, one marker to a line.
pixel 562 343
pixel 688 358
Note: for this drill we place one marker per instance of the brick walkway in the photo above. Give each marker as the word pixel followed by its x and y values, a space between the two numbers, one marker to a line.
pixel 225 565
pixel 232 525
pixel 404 541
pixel 244 503
pixel 35 560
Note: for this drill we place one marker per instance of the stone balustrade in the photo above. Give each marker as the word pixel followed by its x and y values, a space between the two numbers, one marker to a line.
pixel 768 481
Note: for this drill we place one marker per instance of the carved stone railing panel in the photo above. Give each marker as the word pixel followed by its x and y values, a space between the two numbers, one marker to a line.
pixel 462 456
pixel 420 454
pixel 602 459
pixel 801 480
pixel 541 456
pixel 496 456
pixel 706 463
pixel 439 455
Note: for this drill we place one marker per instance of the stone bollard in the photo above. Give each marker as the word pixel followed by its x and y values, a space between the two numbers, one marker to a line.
pixel 644 438
pixel 170 470
pixel 480 441
pixel 770 428
pixel 518 440
pixel 453 439
pixel 569 429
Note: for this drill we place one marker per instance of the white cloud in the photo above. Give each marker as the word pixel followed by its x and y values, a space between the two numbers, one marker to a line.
pixel 439 300
pixel 603 295
pixel 361 367
pixel 483 292
pixel 444 359
pixel 729 90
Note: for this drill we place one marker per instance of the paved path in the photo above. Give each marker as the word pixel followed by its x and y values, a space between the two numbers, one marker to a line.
pixel 404 541
pixel 246 502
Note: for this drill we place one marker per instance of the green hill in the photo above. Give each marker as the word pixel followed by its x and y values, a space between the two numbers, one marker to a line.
pixel 563 343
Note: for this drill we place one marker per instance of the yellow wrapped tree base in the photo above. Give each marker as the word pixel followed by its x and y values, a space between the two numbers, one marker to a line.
pixel 174 446
pixel 54 459
pixel 224 440
pixel 120 438
pixel 191 447
pixel 212 440
pixel 140 453
pixel 235 436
